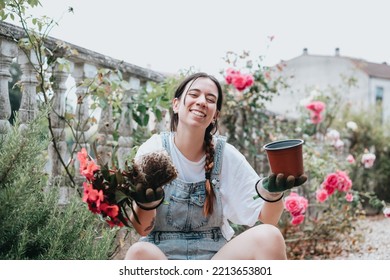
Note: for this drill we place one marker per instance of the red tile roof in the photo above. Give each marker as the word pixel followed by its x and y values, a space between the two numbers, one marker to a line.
pixel 376 70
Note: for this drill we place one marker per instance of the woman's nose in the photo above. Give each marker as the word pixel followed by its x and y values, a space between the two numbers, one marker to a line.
pixel 201 100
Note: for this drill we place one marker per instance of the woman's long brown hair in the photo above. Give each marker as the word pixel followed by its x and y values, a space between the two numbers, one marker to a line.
pixel 208 137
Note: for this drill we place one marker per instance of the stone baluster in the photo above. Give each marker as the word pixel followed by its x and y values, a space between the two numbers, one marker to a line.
pixel 105 135
pixel 125 129
pixel 81 72
pixel 28 105
pixel 58 154
pixel 8 50
pixel 163 124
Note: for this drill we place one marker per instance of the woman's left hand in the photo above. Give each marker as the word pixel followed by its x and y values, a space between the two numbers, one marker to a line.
pixel 276 183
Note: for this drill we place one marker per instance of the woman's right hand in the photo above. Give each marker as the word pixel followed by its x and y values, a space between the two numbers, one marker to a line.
pixel 148 198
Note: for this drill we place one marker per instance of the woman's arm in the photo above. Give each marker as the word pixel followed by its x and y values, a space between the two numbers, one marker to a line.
pixel 147 220
pixel 271 211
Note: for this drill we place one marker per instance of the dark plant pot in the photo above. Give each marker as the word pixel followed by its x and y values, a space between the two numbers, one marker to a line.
pixel 285 157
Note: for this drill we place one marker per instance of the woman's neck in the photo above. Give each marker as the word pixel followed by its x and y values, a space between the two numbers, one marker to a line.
pixel 190 144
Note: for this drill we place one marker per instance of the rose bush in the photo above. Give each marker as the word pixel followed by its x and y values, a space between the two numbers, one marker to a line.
pixel 320 215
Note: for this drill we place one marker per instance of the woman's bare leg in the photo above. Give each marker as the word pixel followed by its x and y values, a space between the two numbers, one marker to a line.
pixel 144 251
pixel 262 242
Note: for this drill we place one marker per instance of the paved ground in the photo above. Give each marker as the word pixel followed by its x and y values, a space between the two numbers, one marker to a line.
pixel 376 244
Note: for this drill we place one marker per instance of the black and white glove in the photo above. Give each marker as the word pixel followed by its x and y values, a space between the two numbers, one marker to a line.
pixel 272 188
pixel 151 172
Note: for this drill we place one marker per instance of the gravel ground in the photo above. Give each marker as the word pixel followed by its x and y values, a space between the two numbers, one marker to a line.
pixel 375 244
pixel 371 241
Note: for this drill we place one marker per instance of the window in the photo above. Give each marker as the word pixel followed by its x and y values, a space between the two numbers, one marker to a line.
pixel 378 102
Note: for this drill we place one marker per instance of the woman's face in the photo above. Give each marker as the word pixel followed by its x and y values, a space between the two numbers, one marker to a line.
pixel 197 106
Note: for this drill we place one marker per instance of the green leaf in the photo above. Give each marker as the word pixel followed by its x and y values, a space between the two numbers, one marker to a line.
pixel 145 120
pixel 137 119
pixel 158 114
pixel 119 196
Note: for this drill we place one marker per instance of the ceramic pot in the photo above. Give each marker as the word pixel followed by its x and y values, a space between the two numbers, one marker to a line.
pixel 285 156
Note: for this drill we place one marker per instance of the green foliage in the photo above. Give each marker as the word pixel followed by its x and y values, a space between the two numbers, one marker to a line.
pixel 243 118
pixel 329 223
pixel 372 136
pixel 8 8
pixel 33 224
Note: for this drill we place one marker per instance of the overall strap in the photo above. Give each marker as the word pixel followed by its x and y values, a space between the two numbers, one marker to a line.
pixel 165 141
pixel 218 156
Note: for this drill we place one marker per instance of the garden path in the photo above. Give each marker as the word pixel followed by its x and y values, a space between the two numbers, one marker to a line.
pixel 375 243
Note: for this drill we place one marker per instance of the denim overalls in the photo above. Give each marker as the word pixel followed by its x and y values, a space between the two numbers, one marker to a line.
pixel 181 230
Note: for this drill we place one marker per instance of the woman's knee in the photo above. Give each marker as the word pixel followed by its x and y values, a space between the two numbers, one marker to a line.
pixel 271 240
pixel 144 251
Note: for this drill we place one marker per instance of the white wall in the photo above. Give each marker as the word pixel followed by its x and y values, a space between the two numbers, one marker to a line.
pixel 320 72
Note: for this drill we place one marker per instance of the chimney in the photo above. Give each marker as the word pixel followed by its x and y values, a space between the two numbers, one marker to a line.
pixel 304 51
pixel 337 52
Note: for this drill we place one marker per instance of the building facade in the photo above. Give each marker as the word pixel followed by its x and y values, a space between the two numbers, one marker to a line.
pixel 307 72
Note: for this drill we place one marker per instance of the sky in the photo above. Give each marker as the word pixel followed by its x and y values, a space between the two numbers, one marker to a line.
pixel 172 35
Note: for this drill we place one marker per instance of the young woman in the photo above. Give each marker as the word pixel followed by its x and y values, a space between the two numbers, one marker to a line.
pixel 215 185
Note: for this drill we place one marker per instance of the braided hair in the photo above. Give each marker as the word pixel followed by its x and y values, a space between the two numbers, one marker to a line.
pixel 208 137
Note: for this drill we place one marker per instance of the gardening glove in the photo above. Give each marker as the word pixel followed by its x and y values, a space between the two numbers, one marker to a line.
pixel 153 171
pixel 272 188
pixel 147 197
pixel 277 183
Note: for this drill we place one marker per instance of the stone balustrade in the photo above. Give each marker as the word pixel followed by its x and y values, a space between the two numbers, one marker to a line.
pixel 84 64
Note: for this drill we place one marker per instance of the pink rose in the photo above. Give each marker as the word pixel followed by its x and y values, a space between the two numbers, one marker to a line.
pixel 239 82
pixel 316 106
pixel 316 118
pixel 330 183
pixel 321 195
pixel 349 197
pixel 351 159
pixel 386 212
pixel 249 80
pixel 297 220
pixel 230 73
pixel 368 160
pixel 345 183
pixel 295 204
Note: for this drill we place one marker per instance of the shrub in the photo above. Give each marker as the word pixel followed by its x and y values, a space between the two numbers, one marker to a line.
pixel 33 224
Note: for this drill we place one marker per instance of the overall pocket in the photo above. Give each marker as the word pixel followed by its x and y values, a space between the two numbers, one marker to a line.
pixel 185 209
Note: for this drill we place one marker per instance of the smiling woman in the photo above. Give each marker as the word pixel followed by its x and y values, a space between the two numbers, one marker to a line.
pixel 215 185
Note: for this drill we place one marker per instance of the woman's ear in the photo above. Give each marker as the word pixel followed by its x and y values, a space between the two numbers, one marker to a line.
pixel 216 116
pixel 175 105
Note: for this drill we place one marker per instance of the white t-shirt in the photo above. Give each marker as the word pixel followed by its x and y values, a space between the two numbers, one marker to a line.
pixel 237 178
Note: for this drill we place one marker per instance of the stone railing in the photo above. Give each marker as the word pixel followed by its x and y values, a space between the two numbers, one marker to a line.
pixel 84 64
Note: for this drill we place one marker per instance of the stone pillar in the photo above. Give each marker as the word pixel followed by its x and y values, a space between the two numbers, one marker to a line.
pixel 8 50
pixel 82 123
pixel 28 105
pixel 59 151
pixel 125 129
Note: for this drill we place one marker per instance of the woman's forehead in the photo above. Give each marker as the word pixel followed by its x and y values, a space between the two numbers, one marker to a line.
pixel 203 84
